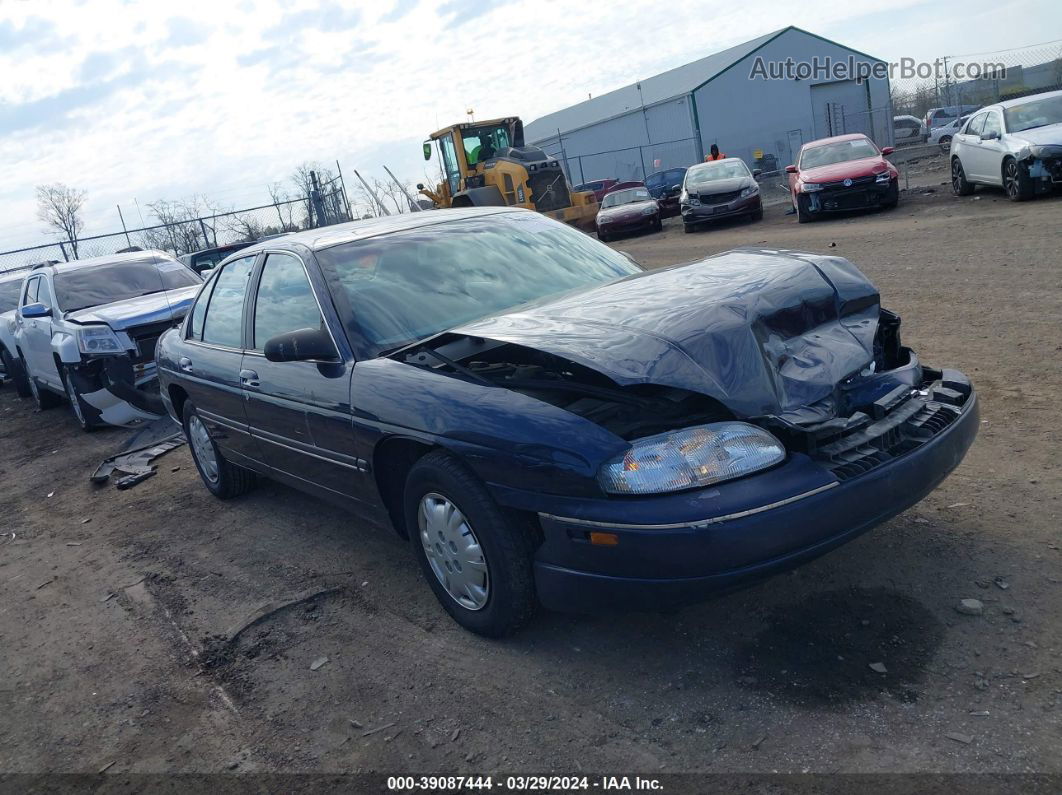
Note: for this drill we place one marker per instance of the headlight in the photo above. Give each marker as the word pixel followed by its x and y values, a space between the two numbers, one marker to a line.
pixel 750 191
pixel 98 340
pixel 811 187
pixel 691 457
pixel 884 176
pixel 649 211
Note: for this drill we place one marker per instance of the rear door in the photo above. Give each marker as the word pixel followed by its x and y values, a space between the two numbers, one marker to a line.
pixel 299 412
pixel 211 360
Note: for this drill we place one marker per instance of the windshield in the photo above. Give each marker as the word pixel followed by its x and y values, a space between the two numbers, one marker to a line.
pixel 94 285
pixel 628 196
pixel 719 169
pixel 9 291
pixel 406 286
pixel 1034 114
pixel 838 152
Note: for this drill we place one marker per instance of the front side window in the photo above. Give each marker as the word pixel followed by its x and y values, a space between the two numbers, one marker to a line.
pixel 399 288
pixel 223 324
pixel 992 124
pixel 976 124
pixel 93 285
pixel 450 165
pixel 838 152
pixel 285 300
pixel 33 286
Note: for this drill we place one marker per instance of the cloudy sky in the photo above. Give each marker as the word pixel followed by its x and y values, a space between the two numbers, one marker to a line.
pixel 144 100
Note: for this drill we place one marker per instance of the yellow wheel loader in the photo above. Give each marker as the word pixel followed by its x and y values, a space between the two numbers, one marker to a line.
pixel 486 164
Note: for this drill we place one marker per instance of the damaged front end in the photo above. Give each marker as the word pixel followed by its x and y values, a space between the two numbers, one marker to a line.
pixel 1043 166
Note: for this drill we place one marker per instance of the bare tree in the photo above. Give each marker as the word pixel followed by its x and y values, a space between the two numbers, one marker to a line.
pixel 285 205
pixel 398 194
pixel 60 208
pixel 372 200
pixel 244 227
pixel 302 181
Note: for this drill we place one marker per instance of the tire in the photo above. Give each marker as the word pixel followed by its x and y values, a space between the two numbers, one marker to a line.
pixel 87 416
pixel 44 398
pixel 658 226
pixel 959 184
pixel 757 215
pixel 945 143
pixel 13 368
pixel 893 198
pixel 1016 181
pixel 687 228
pixel 803 214
pixel 448 510
pixel 603 237
pixel 222 478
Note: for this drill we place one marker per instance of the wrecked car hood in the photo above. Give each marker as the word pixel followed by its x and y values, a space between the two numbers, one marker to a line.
pixel 765 332
pixel 140 311
pixel 864 167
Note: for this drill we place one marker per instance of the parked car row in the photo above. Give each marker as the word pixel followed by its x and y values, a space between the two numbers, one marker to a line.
pixel 85 332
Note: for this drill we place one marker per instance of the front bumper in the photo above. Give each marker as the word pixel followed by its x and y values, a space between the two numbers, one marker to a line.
pixel 856 197
pixel 699 213
pixel 677 549
pixel 118 390
pixel 641 224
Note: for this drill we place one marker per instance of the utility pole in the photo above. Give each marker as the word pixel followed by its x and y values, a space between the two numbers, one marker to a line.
pixel 372 193
pixel 412 204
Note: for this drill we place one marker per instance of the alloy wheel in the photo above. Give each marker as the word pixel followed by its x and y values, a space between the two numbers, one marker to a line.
pixel 1010 179
pixel 203 448
pixel 453 551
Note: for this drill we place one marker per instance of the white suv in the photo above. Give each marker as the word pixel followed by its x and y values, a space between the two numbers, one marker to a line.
pixel 87 330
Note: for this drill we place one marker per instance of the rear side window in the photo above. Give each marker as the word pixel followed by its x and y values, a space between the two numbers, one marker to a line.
pixel 285 300
pixel 223 324
pixel 195 317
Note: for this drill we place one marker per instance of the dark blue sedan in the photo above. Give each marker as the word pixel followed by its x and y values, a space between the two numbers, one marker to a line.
pixel 549 423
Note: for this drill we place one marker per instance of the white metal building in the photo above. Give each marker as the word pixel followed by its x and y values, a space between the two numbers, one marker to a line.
pixel 672 119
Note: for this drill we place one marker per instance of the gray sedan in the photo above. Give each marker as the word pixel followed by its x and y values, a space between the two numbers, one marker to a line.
pixel 1016 145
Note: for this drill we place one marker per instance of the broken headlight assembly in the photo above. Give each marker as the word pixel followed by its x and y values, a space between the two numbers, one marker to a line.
pixel 691 457
pixel 749 191
pixel 883 177
pixel 98 341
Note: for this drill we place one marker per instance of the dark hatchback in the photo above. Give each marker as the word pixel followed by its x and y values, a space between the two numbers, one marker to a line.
pixel 548 422
pixel 665 187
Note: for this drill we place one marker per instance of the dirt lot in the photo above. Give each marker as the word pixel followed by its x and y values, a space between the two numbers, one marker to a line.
pixel 116 605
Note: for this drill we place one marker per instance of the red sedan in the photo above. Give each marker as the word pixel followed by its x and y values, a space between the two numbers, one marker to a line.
pixel 846 172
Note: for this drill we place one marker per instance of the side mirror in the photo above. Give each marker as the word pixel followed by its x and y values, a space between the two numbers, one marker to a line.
pixel 756 173
pixel 888 150
pixel 790 170
pixel 30 311
pixel 991 135
pixel 303 345
pixel 427 150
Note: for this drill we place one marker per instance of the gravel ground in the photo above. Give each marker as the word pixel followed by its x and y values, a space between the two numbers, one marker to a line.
pixel 118 608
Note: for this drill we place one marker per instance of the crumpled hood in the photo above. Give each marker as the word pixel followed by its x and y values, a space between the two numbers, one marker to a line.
pixel 626 212
pixel 140 311
pixel 719 186
pixel 1048 135
pixel 765 332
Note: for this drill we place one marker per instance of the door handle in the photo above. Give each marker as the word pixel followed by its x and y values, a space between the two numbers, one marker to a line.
pixel 249 378
pixel 185 364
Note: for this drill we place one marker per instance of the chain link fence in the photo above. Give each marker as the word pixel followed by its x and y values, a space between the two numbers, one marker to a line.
pixel 325 205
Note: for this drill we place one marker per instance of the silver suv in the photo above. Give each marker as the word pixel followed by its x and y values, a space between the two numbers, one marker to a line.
pixel 87 330
pixel 1016 145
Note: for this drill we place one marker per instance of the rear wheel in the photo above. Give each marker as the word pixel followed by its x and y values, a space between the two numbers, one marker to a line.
pixel 476 557
pixel 13 368
pixel 224 479
pixel 959 184
pixel 1016 181
pixel 945 143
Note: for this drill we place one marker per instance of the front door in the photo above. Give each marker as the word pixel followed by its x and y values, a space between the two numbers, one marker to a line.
pixel 211 364
pixel 298 411
pixel 988 152
pixel 35 333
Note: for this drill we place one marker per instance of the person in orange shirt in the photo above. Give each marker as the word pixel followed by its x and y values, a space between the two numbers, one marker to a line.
pixel 714 155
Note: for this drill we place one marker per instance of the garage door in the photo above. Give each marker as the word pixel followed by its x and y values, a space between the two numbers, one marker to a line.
pixel 840 108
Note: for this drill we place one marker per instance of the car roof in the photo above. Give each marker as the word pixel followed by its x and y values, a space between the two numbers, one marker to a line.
pixel 151 255
pixel 834 139
pixel 352 231
pixel 1012 103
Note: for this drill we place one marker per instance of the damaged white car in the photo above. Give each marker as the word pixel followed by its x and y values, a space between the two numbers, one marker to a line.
pixel 87 330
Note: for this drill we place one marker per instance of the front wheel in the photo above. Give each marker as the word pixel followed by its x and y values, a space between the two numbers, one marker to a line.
pixel 224 479
pixel 1016 181
pixel 893 197
pixel 476 557
pixel 687 228
pixel 959 184
pixel 803 213
pixel 44 398
pixel 87 415
pixel 757 215
pixel 603 237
